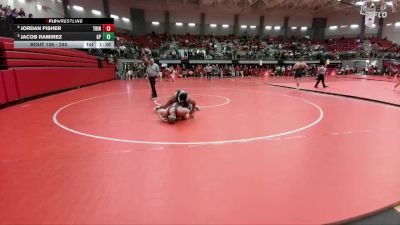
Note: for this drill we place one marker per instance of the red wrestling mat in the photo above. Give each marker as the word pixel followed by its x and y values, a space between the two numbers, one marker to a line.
pixel 254 154
pixel 369 77
pixel 358 86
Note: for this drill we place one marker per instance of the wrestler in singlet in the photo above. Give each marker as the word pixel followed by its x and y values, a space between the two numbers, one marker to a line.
pixel 299 68
pixel 178 106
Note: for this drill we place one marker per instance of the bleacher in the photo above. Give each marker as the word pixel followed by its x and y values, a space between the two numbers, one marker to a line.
pixel 343 44
pixel 384 45
pixel 28 72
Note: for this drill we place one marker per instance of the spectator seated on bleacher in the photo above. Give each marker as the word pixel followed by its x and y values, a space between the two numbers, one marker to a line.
pixel 252 48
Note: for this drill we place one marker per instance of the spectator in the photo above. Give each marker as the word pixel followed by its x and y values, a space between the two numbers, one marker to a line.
pixel 2 13
pixel 21 13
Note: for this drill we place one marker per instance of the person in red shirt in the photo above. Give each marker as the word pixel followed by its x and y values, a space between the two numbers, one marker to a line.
pixel 178 68
pixel 179 106
pixel 237 70
pixel 198 71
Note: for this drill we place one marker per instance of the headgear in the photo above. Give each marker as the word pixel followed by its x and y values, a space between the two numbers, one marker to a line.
pixel 182 96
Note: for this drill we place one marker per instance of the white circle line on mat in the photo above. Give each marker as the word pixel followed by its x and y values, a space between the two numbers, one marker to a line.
pixel 55 120
pixel 227 100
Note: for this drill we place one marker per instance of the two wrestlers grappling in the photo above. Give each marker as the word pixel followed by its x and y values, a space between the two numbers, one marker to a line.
pixel 178 107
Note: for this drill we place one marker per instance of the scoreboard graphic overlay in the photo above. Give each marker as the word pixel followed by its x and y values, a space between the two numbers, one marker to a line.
pixel 80 33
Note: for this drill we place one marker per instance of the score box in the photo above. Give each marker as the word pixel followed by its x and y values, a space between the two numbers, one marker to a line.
pixel 108 27
pixel 108 36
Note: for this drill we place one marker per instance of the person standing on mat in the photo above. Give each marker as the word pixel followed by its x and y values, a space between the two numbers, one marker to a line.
pixel 152 71
pixel 178 106
pixel 299 68
pixel 321 76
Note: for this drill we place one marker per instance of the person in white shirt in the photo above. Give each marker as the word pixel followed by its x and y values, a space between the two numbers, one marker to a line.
pixel 321 76
pixel 130 74
pixel 152 71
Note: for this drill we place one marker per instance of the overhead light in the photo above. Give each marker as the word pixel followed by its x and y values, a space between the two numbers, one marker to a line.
pixel 77 7
pixel 213 25
pixel 115 17
pixel 252 27
pixel 21 1
pixel 354 26
pixel 225 25
pixel 389 3
pixel 179 24
pixel 360 3
pixel 277 28
pixel 39 7
pixel 268 27
pixel 155 23
pixel 304 28
pixel 397 24
pixel 376 0
pixel 343 26
pixel 191 24
pixel 389 24
pixel 294 28
pixel 243 26
pixel 333 27
pixel 126 20
pixel 96 12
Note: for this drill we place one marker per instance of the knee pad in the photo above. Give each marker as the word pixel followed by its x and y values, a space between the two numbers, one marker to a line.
pixel 171 119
